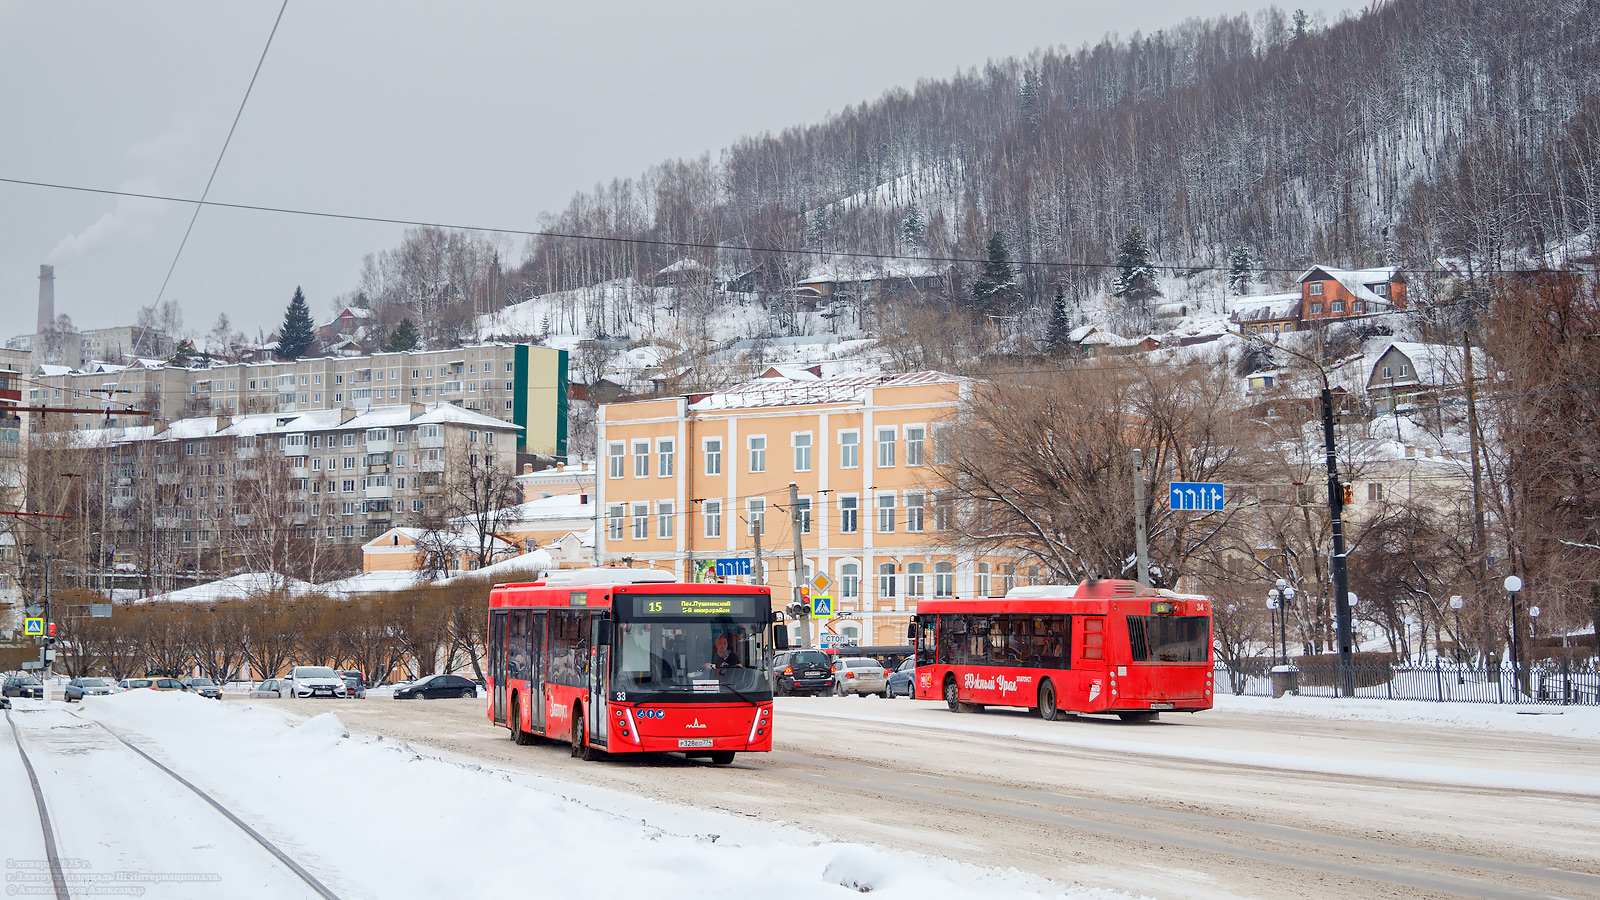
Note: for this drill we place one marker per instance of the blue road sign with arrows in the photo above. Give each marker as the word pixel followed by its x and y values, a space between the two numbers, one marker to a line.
pixel 1198 496
pixel 731 566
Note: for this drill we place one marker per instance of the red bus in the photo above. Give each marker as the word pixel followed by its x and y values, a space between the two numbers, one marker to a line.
pixel 629 661
pixel 1109 646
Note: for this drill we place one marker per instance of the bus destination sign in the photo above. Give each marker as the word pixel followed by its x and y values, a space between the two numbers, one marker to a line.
pixel 694 607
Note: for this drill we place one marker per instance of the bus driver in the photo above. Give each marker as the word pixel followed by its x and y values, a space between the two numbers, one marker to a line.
pixel 723 656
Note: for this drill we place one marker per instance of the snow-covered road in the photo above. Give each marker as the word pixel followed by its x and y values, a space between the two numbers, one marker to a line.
pixel 375 818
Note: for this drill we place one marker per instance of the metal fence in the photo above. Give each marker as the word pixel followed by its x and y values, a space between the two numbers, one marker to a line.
pixel 1549 682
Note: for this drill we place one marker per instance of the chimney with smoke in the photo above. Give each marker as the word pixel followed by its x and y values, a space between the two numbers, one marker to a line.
pixel 47 299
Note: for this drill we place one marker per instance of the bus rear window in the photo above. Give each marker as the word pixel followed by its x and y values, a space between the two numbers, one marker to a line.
pixel 1169 638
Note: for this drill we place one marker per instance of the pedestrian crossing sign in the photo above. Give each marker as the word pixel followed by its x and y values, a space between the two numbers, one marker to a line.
pixel 32 627
pixel 821 605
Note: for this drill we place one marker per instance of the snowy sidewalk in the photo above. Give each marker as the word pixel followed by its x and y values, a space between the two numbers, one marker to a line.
pixel 379 819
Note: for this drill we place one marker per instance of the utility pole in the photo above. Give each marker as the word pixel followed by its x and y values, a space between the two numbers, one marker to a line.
pixel 1140 541
pixel 1341 578
pixel 1480 548
pixel 759 526
pixel 799 566
pixel 49 639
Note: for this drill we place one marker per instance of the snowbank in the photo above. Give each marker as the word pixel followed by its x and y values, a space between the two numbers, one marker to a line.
pixel 468 831
pixel 1556 721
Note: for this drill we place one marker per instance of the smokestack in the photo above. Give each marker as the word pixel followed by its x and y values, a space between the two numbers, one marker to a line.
pixel 47 298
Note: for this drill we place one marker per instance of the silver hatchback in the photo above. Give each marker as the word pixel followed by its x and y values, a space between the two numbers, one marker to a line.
pixel 860 676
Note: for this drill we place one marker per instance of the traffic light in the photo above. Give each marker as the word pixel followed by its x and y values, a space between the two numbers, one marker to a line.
pixel 793 610
pixel 51 630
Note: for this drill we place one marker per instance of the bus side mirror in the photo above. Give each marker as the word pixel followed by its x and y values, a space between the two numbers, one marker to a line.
pixel 780 637
pixel 911 632
pixel 603 639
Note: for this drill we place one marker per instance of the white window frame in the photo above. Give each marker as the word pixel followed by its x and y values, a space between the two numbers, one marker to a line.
pixel 641 458
pixel 885 448
pixel 916 450
pixel 944 579
pixel 665 513
pixel 805 514
pixel 849 513
pixel 666 457
pixel 916 580
pixel 711 449
pixel 802 451
pixel 916 505
pixel 850 452
pixel 755 510
pixel 849 583
pixel 886 581
pixel 756 456
pixel 980 580
pixel 711 511
pixel 616 516
pixel 641 520
pixel 884 514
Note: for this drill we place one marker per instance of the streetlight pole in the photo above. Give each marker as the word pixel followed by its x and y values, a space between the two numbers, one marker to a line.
pixel 1456 602
pixel 1513 586
pixel 1272 604
pixel 1341 578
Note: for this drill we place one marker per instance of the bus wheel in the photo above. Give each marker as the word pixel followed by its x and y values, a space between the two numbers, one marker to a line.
pixel 952 696
pixel 580 736
pixel 519 736
pixel 1047 702
pixel 1138 716
pixel 721 757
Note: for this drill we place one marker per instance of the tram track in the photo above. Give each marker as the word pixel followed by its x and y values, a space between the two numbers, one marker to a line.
pixel 61 880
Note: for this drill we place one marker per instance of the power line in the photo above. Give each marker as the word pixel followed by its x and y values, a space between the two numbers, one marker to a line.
pixel 220 153
pixel 659 242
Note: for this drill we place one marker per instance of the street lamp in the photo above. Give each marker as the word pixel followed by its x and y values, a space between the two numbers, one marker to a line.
pixel 1513 586
pixel 1272 604
pixel 1533 621
pixel 1455 607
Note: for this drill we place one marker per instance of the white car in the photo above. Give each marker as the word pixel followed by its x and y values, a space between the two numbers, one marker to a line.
pixel 312 681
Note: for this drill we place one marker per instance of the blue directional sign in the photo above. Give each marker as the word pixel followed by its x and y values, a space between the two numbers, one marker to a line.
pixel 733 566
pixel 1200 496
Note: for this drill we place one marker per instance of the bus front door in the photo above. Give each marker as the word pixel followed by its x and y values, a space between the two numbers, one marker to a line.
pixel 599 669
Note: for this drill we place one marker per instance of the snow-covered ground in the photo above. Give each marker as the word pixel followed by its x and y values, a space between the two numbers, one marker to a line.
pixel 1196 738
pixel 372 818
pixel 1557 721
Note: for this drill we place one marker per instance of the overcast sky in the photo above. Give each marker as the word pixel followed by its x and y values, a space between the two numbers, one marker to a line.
pixel 471 113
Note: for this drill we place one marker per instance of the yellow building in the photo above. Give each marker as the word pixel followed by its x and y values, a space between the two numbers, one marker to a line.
pixel 692 479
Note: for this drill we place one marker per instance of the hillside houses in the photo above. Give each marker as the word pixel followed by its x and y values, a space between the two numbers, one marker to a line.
pixel 1326 294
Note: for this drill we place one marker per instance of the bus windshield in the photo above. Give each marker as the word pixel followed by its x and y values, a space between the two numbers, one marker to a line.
pixel 1169 638
pixel 704 646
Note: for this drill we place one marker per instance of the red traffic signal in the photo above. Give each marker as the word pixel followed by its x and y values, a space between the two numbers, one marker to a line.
pixel 50 629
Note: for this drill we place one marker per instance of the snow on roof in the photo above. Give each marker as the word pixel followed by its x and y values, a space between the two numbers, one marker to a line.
pixel 853 269
pixel 534 563
pixel 684 265
pixel 235 587
pixel 560 506
pixel 850 389
pixel 790 373
pixel 1077 335
pixel 373 583
pixel 1431 364
pixel 52 370
pixel 1356 280
pixel 1267 307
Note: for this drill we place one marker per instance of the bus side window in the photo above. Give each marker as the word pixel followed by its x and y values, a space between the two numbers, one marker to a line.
pixel 1094 637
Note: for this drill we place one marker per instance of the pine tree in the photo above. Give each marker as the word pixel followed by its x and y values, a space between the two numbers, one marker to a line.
pixel 1028 96
pixel 1241 270
pixel 1058 339
pixel 294 338
pixel 404 337
pixel 995 288
pixel 1136 280
pixel 913 230
pixel 1302 24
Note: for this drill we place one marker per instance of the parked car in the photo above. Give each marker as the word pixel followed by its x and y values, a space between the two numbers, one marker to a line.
pixel 205 687
pixel 313 681
pixel 860 675
pixel 901 679
pixel 153 682
pixel 436 686
pixel 25 686
pixel 78 688
pixel 801 672
pixel 355 686
pixel 271 688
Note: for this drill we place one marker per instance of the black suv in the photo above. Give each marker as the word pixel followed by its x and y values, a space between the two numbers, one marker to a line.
pixel 802 672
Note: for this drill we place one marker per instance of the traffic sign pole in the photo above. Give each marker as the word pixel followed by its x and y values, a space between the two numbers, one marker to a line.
pixel 1140 540
pixel 799 566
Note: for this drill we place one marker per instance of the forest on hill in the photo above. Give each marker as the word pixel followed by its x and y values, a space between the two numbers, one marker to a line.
pixel 1466 130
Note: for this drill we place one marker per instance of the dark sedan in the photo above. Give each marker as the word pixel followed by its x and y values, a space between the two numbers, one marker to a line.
pixel 802 672
pixel 25 686
pixel 900 680
pixel 434 687
pixel 205 687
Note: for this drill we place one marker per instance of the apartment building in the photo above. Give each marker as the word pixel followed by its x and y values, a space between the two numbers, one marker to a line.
pixel 517 383
pixel 696 478
pixel 224 492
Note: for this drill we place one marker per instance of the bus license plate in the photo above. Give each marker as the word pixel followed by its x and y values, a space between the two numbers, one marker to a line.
pixel 1161 706
pixel 685 743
